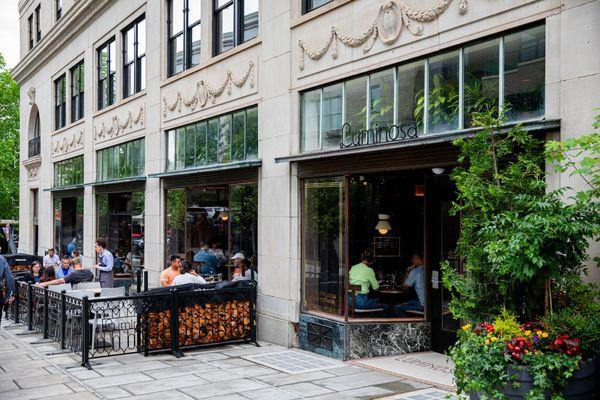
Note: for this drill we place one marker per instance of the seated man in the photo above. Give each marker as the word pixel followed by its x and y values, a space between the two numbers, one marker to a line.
pixel 187 275
pixel 167 276
pixel 78 275
pixel 362 274
pixel 65 267
pixel 415 279
pixel 210 262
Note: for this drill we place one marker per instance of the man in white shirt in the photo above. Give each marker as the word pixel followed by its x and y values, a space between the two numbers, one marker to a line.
pixel 51 260
pixel 187 275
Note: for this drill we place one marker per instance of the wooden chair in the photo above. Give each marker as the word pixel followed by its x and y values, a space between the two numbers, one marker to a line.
pixel 352 289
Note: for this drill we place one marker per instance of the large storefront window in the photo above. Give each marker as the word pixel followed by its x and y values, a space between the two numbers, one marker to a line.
pixel 426 97
pixel 323 258
pixel 68 172
pixel 121 223
pixel 224 218
pixel 68 224
pixel 219 140
pixel 382 216
pixel 120 161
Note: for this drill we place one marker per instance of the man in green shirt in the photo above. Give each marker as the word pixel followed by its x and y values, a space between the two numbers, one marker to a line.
pixel 362 274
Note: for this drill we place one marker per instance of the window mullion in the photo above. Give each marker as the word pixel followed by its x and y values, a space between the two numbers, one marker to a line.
pixel 501 77
pixel 461 88
pixel 426 100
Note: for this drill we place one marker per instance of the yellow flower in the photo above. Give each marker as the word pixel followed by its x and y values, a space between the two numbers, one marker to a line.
pixel 545 334
pixel 494 338
pixel 538 332
pixel 487 341
pixel 466 327
pixel 527 333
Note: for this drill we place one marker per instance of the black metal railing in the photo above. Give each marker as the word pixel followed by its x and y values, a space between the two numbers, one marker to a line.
pixel 34 146
pixel 167 319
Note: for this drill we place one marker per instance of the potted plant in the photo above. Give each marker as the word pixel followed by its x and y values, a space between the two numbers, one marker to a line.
pixel 524 250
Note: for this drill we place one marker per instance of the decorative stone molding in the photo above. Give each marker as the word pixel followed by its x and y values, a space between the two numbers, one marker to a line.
pixel 33 172
pixel 31 95
pixel 205 91
pixel 33 167
pixel 68 143
pixel 392 17
pixel 116 127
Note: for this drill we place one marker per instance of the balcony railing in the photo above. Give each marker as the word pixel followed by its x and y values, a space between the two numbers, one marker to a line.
pixel 34 147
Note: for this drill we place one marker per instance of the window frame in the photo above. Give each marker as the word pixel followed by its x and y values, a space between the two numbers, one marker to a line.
pixel 238 24
pixel 186 33
pixel 58 7
pixel 306 6
pixel 136 62
pixel 423 130
pixel 77 99
pixel 30 22
pixel 110 75
pixel 60 105
pixel 38 28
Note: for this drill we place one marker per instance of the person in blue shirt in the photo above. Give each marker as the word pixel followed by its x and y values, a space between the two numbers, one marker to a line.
pixel 416 280
pixel 208 260
pixel 71 247
pixel 65 267
pixel 7 278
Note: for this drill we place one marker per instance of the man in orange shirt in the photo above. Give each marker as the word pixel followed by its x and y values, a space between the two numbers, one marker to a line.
pixel 167 276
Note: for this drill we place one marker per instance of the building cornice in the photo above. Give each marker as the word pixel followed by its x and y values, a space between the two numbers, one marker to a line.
pixel 77 17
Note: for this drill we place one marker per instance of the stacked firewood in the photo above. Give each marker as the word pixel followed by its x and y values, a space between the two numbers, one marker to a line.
pixel 17 268
pixel 201 324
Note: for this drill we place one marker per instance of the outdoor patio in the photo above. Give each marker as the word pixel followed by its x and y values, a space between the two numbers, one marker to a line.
pixel 35 371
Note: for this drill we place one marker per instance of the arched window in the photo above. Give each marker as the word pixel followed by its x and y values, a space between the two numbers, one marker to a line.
pixel 34 132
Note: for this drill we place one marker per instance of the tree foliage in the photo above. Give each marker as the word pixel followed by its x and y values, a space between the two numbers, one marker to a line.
pixel 9 144
pixel 516 237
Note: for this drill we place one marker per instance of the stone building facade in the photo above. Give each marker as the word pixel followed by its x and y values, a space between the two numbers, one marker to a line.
pixel 256 125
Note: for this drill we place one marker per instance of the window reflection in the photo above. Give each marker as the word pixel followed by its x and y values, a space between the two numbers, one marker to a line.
pixel 381 99
pixel 332 116
pixel 411 81
pixel 222 220
pixel 68 225
pixel 322 248
pixel 442 110
pixel 481 78
pixel 524 73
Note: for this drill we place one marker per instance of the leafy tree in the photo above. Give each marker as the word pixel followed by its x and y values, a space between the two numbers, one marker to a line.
pixel 517 239
pixel 9 144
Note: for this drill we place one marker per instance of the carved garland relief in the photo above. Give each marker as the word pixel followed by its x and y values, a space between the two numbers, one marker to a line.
pixel 392 17
pixel 116 127
pixel 205 92
pixel 67 143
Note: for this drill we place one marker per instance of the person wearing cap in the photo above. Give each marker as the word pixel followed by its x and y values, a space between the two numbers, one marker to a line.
pixel 239 266
pixel 207 259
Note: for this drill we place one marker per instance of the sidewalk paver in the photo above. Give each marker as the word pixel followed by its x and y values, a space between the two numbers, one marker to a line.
pixel 43 371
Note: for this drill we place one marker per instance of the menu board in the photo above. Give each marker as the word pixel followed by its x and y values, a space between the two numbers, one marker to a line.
pixel 386 246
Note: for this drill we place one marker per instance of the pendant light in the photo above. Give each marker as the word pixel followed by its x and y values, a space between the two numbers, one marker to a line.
pixel 383 226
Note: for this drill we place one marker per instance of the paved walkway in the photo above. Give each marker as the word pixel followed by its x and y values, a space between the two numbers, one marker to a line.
pixel 32 371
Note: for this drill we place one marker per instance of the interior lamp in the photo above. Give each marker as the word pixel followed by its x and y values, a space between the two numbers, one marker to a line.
pixel 223 215
pixel 383 226
pixel 419 190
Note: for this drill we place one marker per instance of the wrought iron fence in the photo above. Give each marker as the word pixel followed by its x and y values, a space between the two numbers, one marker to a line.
pixel 168 319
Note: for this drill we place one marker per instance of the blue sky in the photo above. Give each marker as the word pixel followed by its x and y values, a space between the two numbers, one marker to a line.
pixel 9 31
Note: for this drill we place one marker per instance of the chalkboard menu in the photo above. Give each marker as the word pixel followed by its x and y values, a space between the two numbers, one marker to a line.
pixel 386 246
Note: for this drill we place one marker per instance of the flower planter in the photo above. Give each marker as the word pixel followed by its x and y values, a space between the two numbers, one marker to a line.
pixel 580 386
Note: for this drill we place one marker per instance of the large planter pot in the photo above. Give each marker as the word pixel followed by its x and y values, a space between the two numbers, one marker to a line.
pixel 581 386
